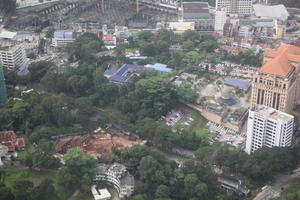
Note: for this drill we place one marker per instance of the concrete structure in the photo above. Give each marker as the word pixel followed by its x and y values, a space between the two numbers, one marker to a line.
pixel 229 183
pixel 62 38
pixel 280 29
pixel 102 194
pixel 277 83
pixel 3 153
pixel 181 26
pixel 13 56
pixel 28 3
pixel 3 92
pixel 197 12
pixel 220 19
pixel 243 7
pixel 268 127
pixel 117 176
pixel 271 12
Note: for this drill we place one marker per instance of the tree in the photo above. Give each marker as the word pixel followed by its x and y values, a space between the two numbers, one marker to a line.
pixel 39 69
pixel 45 191
pixel 78 171
pixel 162 191
pixel 50 33
pixel 186 94
pixel 22 189
pixel 6 193
pixel 146 36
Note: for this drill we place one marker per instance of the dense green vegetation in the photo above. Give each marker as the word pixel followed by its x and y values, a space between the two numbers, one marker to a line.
pixel 161 179
pixel 258 167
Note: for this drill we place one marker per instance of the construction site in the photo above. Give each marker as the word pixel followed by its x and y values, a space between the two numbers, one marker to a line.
pixel 101 141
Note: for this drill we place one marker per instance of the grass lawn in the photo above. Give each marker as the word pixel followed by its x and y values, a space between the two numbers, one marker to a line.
pixel 203 132
pixel 35 176
pixel 199 121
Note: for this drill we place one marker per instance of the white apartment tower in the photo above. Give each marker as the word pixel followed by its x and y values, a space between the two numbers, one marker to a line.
pixel 243 7
pixel 220 19
pixel 13 57
pixel 268 127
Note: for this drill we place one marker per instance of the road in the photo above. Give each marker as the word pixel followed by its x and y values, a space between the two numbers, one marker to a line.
pixel 281 182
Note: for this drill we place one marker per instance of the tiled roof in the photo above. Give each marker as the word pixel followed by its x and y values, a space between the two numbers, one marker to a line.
pixel 9 139
pixel 109 37
pixel 8 136
pixel 281 63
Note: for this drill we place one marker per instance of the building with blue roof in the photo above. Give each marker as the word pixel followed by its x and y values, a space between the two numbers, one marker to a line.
pixel 159 67
pixel 62 38
pixel 242 84
pixel 126 71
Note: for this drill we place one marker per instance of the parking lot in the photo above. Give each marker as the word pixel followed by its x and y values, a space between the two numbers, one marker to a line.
pixel 179 116
pixel 223 134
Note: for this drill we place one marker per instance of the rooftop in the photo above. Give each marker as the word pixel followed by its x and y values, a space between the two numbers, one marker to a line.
pixel 63 34
pixel 281 65
pixel 238 83
pixel 273 113
pixel 276 11
pixel 7 35
pixel 195 7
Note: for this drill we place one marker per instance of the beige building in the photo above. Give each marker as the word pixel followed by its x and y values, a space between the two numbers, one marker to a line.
pixel 277 83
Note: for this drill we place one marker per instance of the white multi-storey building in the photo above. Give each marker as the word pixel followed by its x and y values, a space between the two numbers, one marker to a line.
pixel 268 127
pixel 220 19
pixel 13 57
pixel 243 7
pixel 117 176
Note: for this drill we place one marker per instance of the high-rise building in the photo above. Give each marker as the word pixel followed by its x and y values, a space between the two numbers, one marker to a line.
pixel 243 7
pixel 220 19
pixel 268 127
pixel 3 93
pixel 13 56
pixel 277 83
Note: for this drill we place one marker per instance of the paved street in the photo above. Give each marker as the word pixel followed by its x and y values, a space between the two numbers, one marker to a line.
pixel 281 182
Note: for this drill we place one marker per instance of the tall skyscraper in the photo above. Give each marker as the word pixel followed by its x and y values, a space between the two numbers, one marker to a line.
pixel 277 83
pixel 220 19
pixel 268 127
pixel 235 6
pixel 3 93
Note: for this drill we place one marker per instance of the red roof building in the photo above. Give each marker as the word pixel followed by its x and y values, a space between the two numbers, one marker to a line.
pixel 9 139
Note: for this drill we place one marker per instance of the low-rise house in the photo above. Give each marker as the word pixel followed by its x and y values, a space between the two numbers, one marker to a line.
pixel 9 139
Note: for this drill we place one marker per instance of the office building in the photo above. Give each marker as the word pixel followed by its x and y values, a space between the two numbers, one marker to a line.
pixel 268 127
pixel 277 83
pixel 13 56
pixel 242 7
pixel 220 19
pixel 3 92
